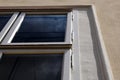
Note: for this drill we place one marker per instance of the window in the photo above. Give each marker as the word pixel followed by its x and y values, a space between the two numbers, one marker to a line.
pixel 41 28
pixel 52 29
pixel 31 67
pixel 35 65
pixel 38 46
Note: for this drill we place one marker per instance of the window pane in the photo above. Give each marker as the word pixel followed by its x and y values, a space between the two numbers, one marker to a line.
pixel 3 20
pixel 31 67
pixel 42 28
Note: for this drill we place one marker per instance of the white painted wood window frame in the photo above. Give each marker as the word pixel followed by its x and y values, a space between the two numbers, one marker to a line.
pixel 66 69
pixel 8 25
pixel 7 40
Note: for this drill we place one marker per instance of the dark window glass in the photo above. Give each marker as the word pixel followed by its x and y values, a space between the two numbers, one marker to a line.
pixel 3 20
pixel 31 67
pixel 42 28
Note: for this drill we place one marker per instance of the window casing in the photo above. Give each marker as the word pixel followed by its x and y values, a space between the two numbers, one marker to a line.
pixel 71 44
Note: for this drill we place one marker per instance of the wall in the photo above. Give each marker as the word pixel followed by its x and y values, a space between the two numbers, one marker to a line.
pixel 108 12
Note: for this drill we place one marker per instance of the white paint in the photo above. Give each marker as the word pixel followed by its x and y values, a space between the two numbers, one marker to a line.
pixel 87 58
pixel 75 47
pixel 66 72
pixel 14 29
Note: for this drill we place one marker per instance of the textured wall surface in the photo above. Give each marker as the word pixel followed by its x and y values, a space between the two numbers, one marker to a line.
pixel 108 12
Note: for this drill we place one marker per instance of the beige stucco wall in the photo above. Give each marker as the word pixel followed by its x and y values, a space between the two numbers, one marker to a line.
pixel 108 12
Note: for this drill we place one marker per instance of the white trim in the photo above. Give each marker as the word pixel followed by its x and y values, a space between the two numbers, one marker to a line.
pixel 31 51
pixel 75 47
pixel 104 52
pixel 66 72
pixel 37 43
pixel 8 25
pixel 68 28
pixel 14 29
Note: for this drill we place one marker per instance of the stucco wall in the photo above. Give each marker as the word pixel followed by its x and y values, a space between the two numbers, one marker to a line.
pixel 108 12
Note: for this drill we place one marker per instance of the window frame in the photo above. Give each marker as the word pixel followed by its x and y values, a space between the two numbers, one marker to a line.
pixel 8 24
pixel 7 40
pixel 41 47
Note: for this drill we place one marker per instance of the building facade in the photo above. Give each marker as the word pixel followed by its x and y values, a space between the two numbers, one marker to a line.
pixel 96 36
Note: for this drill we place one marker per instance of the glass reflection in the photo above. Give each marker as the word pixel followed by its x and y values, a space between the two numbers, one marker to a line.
pixel 42 28
pixel 3 20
